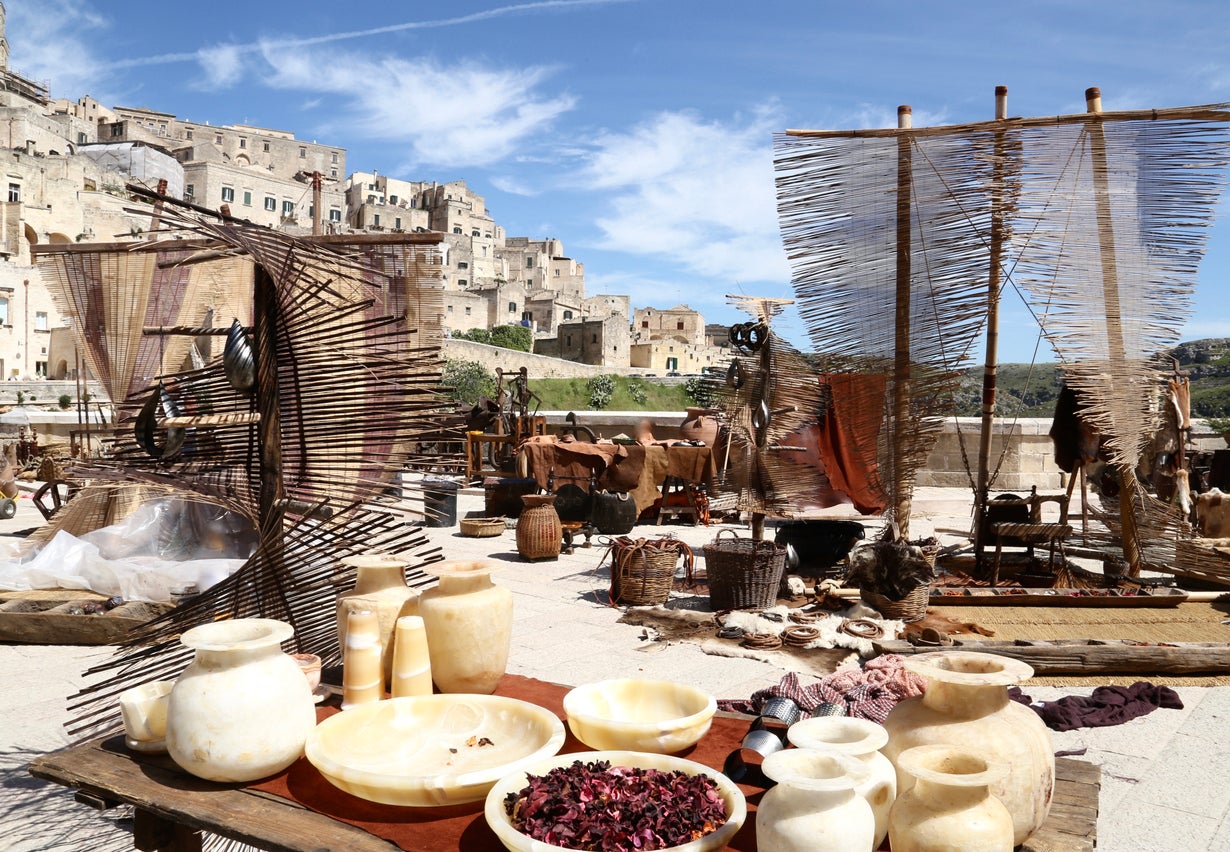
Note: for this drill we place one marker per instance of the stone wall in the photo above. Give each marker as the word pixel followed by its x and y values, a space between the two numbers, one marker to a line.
pixel 539 366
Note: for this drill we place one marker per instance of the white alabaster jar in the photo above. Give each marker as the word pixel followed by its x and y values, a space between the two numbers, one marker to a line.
pixel 468 621
pixel 860 739
pixel 813 806
pixel 242 709
pixel 379 587
pixel 949 807
pixel 966 706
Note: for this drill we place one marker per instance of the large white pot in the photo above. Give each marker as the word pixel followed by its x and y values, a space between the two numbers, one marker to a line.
pixel 242 709
pixel 966 706
pixel 813 806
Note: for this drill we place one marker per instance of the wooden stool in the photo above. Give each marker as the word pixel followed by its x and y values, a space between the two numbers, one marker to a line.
pixel 675 485
pixel 1030 534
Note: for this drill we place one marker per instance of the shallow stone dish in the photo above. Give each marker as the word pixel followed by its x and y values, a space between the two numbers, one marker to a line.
pixel 431 750
pixel 501 822
pixel 658 716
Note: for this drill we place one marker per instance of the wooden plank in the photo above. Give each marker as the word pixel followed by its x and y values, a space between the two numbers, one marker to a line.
pixel 1062 656
pixel 54 617
pixel 106 769
pixel 1072 824
pixel 979 596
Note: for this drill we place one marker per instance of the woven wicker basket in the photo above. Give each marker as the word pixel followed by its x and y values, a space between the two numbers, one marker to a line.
pixel 643 572
pixel 483 527
pixel 910 608
pixel 743 574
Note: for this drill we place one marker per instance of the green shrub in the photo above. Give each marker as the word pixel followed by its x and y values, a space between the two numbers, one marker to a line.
pixel 600 389
pixel 701 390
pixel 636 390
pixel 65 401
pixel 466 381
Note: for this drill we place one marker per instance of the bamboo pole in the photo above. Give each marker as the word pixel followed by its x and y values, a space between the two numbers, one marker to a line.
pixel 1208 112
pixel 991 364
pixel 901 358
pixel 1116 353
pixel 265 317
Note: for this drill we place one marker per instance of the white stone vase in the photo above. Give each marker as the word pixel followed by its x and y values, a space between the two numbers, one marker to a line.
pixel 813 806
pixel 468 621
pixel 242 709
pixel 966 706
pixel 949 807
pixel 379 586
pixel 862 740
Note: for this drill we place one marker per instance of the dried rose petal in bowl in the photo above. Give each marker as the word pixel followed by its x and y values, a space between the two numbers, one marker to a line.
pixel 616 800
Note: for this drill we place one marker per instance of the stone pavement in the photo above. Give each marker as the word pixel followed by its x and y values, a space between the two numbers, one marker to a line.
pixel 1162 783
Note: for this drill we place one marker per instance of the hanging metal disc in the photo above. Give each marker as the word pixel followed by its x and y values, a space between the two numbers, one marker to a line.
pixel 157 406
pixel 238 359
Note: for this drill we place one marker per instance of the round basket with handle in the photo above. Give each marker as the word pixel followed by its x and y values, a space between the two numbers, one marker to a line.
pixel 912 607
pixel 643 571
pixel 743 573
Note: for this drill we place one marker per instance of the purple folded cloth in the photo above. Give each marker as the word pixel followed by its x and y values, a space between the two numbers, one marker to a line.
pixel 1108 705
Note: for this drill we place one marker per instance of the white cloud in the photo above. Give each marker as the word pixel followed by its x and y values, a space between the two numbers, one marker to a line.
pixel 695 192
pixel 460 115
pixel 514 186
pixel 223 66
pixel 51 43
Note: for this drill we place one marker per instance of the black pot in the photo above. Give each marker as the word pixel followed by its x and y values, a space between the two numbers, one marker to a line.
pixel 614 513
pixel 820 544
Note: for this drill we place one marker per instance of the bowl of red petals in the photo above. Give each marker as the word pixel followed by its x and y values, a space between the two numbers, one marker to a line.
pixel 615 800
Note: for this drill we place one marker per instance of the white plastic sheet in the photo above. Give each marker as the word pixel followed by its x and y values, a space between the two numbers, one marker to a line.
pixel 162 548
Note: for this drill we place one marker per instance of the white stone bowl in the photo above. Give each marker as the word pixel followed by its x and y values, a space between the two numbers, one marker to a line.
pixel 501 822
pixel 431 750
pixel 658 716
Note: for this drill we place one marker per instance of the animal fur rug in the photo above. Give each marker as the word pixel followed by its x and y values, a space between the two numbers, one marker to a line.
pixel 823 656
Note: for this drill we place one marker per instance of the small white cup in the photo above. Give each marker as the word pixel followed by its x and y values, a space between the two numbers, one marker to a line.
pixel 144 709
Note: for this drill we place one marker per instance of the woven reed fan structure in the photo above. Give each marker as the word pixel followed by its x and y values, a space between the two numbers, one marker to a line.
pixel 299 425
pixel 902 241
pixel 771 401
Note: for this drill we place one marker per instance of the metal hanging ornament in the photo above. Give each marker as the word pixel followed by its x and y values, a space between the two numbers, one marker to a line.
pixel 159 405
pixel 238 359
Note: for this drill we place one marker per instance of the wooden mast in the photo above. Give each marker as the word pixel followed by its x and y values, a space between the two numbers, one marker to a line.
pixel 901 365
pixel 1116 352
pixel 269 432
pixel 991 365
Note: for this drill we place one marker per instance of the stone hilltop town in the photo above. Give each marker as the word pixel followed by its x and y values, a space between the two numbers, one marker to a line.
pixel 67 163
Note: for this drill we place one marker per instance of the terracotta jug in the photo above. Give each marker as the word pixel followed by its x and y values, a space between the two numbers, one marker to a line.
pixel 700 424
pixel 468 622
pixel 966 706
pixel 949 808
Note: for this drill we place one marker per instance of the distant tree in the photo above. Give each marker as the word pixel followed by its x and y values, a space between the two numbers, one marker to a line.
pixel 467 381
pixel 474 335
pixel 513 337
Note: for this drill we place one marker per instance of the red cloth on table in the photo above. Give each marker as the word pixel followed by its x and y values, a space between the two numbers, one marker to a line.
pixel 463 827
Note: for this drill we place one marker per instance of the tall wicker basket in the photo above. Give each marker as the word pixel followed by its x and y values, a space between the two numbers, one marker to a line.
pixel 643 571
pixel 742 573
pixel 540 535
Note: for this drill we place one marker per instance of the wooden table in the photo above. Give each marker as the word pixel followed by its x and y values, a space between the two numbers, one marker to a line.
pixel 172 807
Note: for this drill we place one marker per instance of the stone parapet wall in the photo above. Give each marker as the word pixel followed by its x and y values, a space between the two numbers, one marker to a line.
pixel 538 366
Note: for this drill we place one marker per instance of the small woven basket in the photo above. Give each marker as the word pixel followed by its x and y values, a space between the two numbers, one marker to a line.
pixel 483 527
pixel 742 573
pixel 912 607
pixel 643 572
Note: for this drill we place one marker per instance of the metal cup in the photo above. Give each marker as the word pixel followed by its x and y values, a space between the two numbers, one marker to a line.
pixel 782 708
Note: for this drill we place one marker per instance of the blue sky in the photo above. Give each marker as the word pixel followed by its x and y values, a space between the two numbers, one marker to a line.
pixel 639 132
